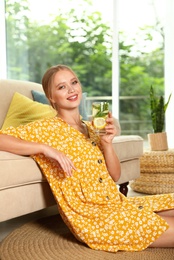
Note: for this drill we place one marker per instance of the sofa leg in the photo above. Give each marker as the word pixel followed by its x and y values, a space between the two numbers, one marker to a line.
pixel 124 188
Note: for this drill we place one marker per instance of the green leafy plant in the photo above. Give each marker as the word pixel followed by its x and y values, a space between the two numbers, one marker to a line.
pixel 158 109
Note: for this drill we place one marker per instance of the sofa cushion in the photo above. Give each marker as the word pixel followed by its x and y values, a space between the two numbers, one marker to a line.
pixel 7 89
pixel 18 170
pixel 40 97
pixel 23 110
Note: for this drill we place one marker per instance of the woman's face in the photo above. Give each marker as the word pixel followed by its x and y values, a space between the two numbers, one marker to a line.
pixel 66 91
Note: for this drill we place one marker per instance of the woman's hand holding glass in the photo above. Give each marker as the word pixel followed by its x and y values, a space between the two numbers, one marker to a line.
pixel 110 130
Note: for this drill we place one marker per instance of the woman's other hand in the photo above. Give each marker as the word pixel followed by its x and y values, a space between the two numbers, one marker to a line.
pixel 63 160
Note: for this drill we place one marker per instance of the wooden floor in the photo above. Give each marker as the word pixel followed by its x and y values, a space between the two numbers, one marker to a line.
pixel 8 226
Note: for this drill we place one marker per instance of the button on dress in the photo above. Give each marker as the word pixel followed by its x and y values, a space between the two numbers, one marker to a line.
pixel 89 201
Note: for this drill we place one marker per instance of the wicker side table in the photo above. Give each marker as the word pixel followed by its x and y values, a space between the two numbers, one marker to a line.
pixel 156 173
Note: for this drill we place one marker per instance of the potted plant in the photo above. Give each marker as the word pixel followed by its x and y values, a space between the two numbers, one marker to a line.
pixel 158 140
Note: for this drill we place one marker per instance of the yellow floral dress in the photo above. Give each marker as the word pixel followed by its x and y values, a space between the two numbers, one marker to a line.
pixel 89 201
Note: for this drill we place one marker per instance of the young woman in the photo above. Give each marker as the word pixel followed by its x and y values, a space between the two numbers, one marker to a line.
pixel 82 168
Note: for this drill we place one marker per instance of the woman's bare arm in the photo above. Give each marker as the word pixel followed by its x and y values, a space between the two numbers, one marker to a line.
pixel 112 161
pixel 15 145
pixel 21 147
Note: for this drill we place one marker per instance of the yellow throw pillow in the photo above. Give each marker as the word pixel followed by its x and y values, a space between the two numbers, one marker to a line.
pixel 23 110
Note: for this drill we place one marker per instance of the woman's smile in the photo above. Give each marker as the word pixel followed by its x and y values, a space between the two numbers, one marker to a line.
pixel 73 97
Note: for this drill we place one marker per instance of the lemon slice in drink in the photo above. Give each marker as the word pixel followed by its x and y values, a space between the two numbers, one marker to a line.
pixel 99 122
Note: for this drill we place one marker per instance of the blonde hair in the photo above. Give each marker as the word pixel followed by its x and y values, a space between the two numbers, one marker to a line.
pixel 48 77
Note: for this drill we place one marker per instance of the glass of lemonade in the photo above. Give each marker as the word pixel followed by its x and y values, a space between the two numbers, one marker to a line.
pixel 99 114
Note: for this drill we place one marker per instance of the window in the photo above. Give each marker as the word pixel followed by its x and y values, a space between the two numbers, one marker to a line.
pixel 42 33
pixel 141 55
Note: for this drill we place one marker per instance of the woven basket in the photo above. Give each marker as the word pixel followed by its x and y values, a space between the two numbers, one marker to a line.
pixel 156 173
pixel 157 162
pixel 157 183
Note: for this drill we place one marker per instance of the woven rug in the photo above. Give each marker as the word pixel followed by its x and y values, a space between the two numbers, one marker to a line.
pixel 50 239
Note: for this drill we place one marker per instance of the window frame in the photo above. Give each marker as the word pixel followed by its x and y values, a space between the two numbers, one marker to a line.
pixel 168 60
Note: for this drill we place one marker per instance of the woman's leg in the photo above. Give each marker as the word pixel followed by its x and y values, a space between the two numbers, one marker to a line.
pixel 167 238
pixel 167 213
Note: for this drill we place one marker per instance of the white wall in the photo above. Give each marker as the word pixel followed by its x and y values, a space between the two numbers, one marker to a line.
pixel 115 62
pixel 3 67
pixel 169 70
